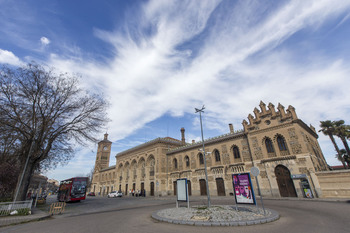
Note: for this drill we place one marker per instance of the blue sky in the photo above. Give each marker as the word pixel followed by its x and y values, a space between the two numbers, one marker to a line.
pixel 155 61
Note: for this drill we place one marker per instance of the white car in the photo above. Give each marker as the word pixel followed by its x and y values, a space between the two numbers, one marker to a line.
pixel 115 194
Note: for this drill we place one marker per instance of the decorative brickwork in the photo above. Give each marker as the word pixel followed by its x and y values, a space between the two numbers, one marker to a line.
pixel 193 161
pixel 217 171
pixel 209 159
pixel 258 153
pixel 225 154
pixel 236 168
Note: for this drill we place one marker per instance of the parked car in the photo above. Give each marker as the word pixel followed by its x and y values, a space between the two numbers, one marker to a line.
pixel 91 194
pixel 115 194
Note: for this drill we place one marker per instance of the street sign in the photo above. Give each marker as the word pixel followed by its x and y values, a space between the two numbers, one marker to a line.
pixel 254 171
pixel 299 176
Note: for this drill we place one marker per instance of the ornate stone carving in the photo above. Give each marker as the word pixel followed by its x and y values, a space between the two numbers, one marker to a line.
pixel 296 148
pixel 258 153
pixel 301 160
pixel 292 135
pixel 246 156
pixel 303 170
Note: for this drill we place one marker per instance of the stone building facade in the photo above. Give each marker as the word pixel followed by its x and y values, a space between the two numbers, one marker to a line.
pixel 276 141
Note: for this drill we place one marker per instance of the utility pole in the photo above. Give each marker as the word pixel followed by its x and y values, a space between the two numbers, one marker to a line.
pixel 25 166
pixel 205 160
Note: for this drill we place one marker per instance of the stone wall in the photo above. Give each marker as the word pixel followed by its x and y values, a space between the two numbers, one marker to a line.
pixel 334 184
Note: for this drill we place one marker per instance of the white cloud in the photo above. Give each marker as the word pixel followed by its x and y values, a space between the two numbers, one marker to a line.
pixel 44 41
pixel 151 74
pixel 7 57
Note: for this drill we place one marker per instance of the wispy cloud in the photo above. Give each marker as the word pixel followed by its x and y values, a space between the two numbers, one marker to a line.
pixel 153 71
pixel 171 56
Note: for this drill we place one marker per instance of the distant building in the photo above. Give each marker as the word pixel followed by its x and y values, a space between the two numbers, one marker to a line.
pixel 275 141
pixel 52 185
pixel 338 167
pixel 38 184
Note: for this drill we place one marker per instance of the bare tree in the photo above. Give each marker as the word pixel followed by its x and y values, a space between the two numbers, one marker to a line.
pixel 90 175
pixel 42 114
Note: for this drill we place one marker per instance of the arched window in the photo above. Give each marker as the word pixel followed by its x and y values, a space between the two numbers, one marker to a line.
pixel 187 161
pixel 151 166
pixel 236 154
pixel 281 143
pixel 269 145
pixel 217 156
pixel 201 159
pixel 175 163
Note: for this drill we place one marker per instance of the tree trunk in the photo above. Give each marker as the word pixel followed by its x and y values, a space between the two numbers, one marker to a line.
pixel 346 147
pixel 22 190
pixel 338 151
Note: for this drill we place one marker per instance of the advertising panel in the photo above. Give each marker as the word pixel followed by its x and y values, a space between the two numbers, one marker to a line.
pixel 181 189
pixel 243 189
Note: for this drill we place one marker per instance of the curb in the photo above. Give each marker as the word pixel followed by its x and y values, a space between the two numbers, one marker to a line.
pixel 272 217
pixel 14 220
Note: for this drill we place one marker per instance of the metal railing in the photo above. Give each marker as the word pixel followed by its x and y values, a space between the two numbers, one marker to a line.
pixel 6 208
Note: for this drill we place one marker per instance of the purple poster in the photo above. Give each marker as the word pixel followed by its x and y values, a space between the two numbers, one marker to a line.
pixel 243 190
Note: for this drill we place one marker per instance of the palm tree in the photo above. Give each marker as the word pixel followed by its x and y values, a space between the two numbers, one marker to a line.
pixel 327 128
pixel 345 156
pixel 342 131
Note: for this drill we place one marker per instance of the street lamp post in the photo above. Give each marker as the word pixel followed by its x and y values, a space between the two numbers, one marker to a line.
pixel 205 161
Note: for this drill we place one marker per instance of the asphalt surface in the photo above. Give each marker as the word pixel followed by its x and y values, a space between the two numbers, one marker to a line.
pixel 126 214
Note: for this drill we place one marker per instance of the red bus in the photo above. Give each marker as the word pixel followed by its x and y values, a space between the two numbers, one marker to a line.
pixel 73 189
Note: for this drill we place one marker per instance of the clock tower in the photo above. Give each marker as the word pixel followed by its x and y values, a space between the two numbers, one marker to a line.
pixel 103 153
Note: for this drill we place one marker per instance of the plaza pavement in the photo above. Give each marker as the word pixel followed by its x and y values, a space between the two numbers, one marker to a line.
pixel 38 214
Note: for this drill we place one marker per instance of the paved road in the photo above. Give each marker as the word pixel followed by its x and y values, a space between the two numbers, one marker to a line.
pixel 133 215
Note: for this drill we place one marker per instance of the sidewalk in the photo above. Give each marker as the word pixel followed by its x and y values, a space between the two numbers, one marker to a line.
pixel 36 215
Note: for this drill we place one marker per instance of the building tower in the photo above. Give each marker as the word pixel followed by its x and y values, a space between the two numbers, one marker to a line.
pixel 103 153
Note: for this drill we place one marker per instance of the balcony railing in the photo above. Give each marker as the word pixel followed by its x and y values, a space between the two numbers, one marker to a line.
pixel 284 152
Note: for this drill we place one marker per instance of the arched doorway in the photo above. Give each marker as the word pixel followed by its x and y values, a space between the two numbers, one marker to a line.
pixel 285 182
pixel 152 189
pixel 126 189
pixel 203 187
pixel 220 186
